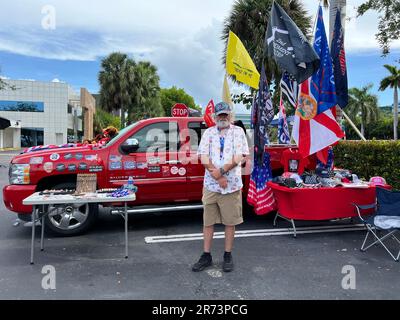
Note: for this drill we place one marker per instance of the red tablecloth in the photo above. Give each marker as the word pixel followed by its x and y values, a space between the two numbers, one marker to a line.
pixel 321 203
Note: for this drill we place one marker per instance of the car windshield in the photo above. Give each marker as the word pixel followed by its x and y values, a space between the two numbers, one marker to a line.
pixel 120 134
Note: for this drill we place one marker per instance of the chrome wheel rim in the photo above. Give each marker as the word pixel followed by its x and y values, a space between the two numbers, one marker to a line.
pixel 69 216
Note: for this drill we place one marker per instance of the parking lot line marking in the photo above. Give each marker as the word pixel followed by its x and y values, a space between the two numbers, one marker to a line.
pixel 256 233
pixel 260 230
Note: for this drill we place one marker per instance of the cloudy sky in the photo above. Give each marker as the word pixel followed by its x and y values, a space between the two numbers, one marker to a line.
pixel 181 37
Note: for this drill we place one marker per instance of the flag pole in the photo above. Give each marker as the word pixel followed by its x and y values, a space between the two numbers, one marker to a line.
pixel 353 126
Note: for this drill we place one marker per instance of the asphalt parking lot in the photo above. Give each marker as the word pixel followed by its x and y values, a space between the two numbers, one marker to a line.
pixel 91 266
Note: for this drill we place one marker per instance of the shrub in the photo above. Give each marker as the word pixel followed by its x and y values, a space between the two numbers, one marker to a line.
pixel 370 158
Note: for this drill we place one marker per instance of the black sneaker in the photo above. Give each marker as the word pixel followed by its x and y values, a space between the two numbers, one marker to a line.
pixel 204 262
pixel 227 265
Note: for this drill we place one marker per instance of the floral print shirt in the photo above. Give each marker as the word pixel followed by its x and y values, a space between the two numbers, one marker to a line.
pixel 221 146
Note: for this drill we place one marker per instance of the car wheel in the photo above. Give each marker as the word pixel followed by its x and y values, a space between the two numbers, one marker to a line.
pixel 70 219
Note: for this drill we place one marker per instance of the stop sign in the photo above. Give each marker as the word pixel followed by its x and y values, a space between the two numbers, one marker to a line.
pixel 180 110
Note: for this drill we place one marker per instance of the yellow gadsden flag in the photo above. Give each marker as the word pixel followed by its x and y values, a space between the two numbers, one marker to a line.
pixel 239 63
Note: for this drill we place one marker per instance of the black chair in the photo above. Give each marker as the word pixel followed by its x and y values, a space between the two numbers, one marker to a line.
pixel 384 223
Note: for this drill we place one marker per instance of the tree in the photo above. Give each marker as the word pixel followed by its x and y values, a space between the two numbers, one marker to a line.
pixel 103 119
pixel 249 20
pixel 115 77
pixel 173 95
pixel 389 20
pixel 130 87
pixel 145 91
pixel 363 106
pixel 4 85
pixel 393 81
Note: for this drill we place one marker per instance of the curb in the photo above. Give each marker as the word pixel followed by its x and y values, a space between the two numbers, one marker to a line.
pixel 9 149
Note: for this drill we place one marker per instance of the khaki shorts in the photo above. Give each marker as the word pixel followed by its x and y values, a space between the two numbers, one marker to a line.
pixel 222 208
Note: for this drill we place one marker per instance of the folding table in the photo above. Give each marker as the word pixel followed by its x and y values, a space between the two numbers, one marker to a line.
pixel 37 200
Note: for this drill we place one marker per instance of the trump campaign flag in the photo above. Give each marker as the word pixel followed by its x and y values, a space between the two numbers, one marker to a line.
pixel 315 126
pixel 239 63
pixel 262 115
pixel 208 114
pixel 285 42
pixel 339 63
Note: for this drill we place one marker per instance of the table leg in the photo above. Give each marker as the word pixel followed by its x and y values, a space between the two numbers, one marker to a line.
pixel 294 228
pixel 33 233
pixel 42 233
pixel 126 231
pixel 276 218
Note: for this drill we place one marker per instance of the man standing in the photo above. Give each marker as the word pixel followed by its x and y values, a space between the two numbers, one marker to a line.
pixel 222 150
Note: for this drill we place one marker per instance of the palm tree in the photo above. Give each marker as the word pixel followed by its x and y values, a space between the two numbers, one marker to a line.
pixel 115 78
pixel 145 92
pixel 364 105
pixel 249 19
pixel 393 81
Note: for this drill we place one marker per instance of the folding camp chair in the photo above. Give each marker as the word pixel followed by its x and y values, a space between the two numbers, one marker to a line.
pixel 385 222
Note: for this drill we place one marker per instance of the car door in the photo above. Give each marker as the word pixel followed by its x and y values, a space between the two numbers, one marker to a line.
pixel 195 170
pixel 153 164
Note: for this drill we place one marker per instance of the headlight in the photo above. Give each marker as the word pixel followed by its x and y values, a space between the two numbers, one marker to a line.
pixel 19 174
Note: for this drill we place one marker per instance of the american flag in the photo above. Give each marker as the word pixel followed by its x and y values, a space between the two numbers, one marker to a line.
pixel 260 196
pixel 289 88
pixel 283 128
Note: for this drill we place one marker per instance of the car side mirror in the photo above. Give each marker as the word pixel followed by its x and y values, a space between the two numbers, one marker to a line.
pixel 130 145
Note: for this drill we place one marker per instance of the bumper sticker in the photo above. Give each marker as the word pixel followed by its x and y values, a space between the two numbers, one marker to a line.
pixel 174 170
pixel 182 171
pixel 60 167
pixel 54 156
pixel 141 165
pixel 114 158
pixel 153 160
pixel 36 160
pixel 48 167
pixel 91 157
pixel 165 171
pixel 82 166
pixel 129 165
pixel 95 168
pixel 154 169
pixel 115 165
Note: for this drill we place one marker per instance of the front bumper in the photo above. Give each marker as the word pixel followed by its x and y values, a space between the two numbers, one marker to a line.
pixel 13 195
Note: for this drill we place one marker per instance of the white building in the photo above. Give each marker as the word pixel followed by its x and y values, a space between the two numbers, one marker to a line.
pixel 40 113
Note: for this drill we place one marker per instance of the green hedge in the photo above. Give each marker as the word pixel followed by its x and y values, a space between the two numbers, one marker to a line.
pixel 370 158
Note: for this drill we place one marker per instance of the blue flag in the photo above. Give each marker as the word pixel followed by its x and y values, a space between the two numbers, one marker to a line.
pixel 322 82
pixel 262 115
pixel 339 63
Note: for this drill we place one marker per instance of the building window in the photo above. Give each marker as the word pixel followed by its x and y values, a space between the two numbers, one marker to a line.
pixel 21 106
pixel 31 137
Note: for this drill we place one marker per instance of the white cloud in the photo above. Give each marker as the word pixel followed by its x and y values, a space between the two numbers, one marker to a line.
pixel 181 37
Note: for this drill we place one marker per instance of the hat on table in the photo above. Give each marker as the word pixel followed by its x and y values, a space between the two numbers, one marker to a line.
pixel 377 181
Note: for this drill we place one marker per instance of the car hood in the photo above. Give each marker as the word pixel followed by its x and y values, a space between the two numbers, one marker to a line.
pixel 61 152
